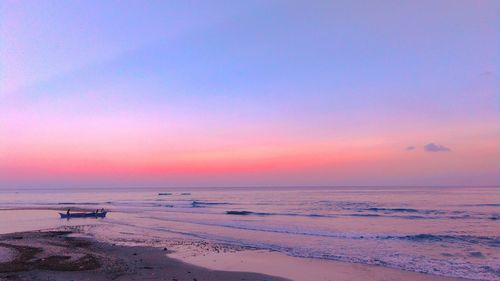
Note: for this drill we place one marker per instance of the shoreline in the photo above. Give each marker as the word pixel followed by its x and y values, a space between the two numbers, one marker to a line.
pixel 298 268
pixel 67 253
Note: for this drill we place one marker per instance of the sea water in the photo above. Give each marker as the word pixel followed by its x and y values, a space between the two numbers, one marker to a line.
pixel 449 231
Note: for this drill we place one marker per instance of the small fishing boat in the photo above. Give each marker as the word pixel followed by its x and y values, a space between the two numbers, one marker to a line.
pixel 165 193
pixel 83 215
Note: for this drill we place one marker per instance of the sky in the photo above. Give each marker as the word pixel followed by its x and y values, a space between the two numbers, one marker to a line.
pixel 248 93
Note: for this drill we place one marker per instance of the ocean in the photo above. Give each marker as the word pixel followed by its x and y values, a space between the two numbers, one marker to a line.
pixel 449 231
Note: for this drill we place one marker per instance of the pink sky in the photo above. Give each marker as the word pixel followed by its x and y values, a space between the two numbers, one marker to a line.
pixel 247 94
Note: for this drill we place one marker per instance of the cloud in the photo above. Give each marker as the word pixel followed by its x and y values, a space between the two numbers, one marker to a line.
pixel 432 147
pixel 411 147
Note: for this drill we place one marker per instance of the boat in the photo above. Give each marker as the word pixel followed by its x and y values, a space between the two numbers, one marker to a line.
pixel 83 215
pixel 165 193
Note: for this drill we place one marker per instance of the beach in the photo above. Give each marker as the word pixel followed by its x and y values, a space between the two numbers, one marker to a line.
pixel 55 255
pixel 66 255
pixel 332 234
pixel 249 140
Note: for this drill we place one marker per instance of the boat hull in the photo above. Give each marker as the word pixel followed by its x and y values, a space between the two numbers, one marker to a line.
pixel 83 215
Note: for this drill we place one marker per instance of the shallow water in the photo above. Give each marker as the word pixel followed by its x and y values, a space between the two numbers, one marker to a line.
pixel 445 231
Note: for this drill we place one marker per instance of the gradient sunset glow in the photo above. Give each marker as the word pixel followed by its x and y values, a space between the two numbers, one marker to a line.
pixel 244 93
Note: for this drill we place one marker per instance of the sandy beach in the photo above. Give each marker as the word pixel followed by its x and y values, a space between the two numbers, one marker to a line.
pixel 55 255
pixel 68 254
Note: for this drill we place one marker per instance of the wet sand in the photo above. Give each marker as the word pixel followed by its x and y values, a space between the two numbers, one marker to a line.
pixel 57 255
pixel 301 269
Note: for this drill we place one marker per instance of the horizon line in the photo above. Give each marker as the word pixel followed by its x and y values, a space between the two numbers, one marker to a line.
pixel 252 186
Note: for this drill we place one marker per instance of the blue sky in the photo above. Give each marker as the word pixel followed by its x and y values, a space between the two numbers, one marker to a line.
pixel 216 82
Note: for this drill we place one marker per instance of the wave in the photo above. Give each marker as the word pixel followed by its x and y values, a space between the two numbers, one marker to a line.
pixel 485 205
pixel 246 213
pixel 201 204
pixel 393 210
pixel 484 240
pixel 250 213
pixel 424 237
pixel 164 205
pixel 407 217
pixel 76 203
pixel 405 210
pixel 365 215
pixel 273 229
